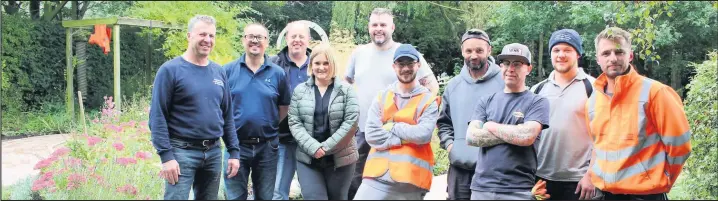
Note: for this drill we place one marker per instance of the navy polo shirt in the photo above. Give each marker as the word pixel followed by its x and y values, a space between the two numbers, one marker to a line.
pixel 297 75
pixel 256 97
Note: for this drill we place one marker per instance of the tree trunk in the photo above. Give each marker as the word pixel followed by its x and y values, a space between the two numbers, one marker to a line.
pixel 542 72
pixel 75 10
pixel 676 74
pixel 448 21
pixel 356 15
pixel 35 9
pixel 83 9
pixel 12 7
pixel 54 11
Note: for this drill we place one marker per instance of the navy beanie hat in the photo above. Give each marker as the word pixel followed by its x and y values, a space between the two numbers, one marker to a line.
pixel 569 36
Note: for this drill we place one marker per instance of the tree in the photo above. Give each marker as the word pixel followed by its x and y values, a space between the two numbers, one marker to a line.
pixel 227 42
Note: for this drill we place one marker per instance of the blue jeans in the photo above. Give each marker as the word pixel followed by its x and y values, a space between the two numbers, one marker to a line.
pixel 259 159
pixel 200 168
pixel 286 166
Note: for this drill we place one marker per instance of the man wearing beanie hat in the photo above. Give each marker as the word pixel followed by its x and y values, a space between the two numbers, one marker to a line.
pixel 478 78
pixel 564 149
pixel 505 126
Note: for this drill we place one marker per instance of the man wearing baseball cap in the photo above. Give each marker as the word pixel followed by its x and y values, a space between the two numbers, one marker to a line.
pixel 478 78
pixel 505 126
pixel 399 126
pixel 564 150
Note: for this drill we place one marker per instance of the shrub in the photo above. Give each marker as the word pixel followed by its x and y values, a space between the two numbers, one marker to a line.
pixel 702 110
pixel 113 160
pixel 49 119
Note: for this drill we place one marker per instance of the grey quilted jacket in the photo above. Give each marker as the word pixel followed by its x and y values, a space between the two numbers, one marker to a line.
pixel 343 114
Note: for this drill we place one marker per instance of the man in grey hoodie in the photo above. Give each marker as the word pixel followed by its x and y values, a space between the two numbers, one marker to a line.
pixel 399 126
pixel 477 79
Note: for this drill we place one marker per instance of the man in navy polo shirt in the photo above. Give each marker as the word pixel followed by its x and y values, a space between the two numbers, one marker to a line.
pixel 294 60
pixel 260 99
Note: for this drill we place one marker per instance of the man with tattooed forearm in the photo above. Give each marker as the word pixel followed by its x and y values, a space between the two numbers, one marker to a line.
pixel 505 126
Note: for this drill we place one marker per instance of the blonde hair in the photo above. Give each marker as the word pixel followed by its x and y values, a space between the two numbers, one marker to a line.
pixel 614 34
pixel 326 50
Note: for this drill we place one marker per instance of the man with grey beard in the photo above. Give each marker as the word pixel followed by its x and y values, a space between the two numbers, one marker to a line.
pixel 370 70
pixel 477 79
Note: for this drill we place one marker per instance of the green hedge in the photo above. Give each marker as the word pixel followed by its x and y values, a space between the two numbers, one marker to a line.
pixel 33 79
pixel 34 57
pixel 701 170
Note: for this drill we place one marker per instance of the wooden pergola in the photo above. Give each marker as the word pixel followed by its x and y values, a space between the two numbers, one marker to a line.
pixel 115 22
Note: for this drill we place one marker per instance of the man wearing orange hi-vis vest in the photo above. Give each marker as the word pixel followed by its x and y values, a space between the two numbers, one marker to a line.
pixel 399 127
pixel 640 132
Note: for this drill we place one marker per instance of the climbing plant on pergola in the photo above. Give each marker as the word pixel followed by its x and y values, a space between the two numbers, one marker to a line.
pixel 115 22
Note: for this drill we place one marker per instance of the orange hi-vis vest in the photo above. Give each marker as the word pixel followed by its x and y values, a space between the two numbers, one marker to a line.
pixel 641 137
pixel 409 163
pixel 101 37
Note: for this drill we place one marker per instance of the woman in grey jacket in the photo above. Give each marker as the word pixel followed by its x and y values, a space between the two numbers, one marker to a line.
pixel 322 117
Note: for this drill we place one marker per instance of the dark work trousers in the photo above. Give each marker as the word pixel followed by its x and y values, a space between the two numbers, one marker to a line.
pixel 561 190
pixel 459 183
pixel 611 196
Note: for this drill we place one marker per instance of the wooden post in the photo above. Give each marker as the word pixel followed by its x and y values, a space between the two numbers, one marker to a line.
pixel 542 71
pixel 116 65
pixel 69 74
pixel 82 111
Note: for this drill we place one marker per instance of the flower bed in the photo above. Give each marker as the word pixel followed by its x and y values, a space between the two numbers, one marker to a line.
pixel 113 160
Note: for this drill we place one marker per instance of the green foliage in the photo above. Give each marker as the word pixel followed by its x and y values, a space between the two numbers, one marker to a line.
pixel 50 119
pixel 228 39
pixel 441 156
pixel 21 190
pixel 34 75
pixel 88 166
pixel 275 15
pixel 702 112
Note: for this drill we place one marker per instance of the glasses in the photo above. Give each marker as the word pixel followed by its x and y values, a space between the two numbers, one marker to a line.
pixel 405 64
pixel 255 37
pixel 515 64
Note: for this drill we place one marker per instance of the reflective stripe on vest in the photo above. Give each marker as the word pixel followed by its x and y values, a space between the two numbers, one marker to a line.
pixel 408 163
pixel 633 164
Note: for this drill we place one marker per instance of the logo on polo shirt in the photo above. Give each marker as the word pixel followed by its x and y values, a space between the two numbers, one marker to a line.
pixel 518 115
pixel 268 80
pixel 218 82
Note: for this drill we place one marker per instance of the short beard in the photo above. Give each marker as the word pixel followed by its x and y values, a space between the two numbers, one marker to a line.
pixel 380 43
pixel 483 63
pixel 408 81
pixel 628 69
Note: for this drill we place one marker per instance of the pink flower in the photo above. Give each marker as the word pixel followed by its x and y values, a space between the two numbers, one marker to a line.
pixel 46 180
pixel 45 162
pixel 103 159
pixel 125 161
pixel 143 155
pixel 74 162
pixel 127 188
pixel 61 151
pixel 77 178
pixel 70 186
pixel 92 140
pixel 119 146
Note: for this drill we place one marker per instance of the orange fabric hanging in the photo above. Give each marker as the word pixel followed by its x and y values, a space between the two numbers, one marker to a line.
pixel 101 37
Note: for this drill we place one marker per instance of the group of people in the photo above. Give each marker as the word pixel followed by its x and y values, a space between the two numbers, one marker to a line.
pixel 366 135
